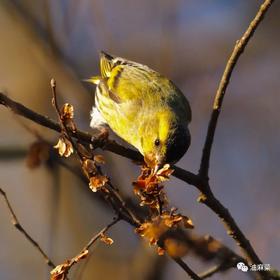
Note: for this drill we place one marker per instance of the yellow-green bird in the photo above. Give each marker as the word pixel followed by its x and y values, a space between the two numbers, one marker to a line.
pixel 143 107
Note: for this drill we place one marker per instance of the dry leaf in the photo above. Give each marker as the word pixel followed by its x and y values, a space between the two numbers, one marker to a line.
pixel 67 111
pixel 107 240
pixel 153 230
pixel 171 220
pixel 160 251
pixel 89 166
pixel 148 186
pixel 99 159
pixel 60 272
pixel 187 222
pixel 214 245
pixel 81 256
pixel 64 146
pixel 175 248
pixel 96 182
pixel 164 173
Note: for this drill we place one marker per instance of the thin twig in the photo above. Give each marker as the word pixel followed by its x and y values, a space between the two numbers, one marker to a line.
pixel 188 270
pixel 236 53
pixel 67 265
pixel 207 197
pixel 55 104
pixel 15 222
pixel 233 230
pixel 64 129
pixel 209 249
pixel 19 227
pixel 128 214
pixel 211 271
pixel 223 267
pixel 111 188
pixel 101 232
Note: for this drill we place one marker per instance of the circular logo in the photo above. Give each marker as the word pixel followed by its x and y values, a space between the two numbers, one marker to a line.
pixel 241 266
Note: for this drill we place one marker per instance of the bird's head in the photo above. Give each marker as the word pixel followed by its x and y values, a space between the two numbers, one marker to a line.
pixel 164 140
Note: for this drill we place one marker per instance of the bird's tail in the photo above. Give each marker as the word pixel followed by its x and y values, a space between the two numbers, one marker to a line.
pixel 106 64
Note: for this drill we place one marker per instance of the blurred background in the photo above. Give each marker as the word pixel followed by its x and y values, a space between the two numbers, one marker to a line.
pixel 188 41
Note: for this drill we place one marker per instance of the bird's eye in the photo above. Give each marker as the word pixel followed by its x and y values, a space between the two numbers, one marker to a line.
pixel 157 142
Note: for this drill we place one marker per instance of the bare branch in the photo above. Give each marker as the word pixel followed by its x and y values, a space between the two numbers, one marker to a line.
pixel 111 189
pixel 207 197
pixel 19 227
pixel 98 235
pixel 210 272
pixel 95 141
pixel 188 270
pixel 236 53
pixel 62 270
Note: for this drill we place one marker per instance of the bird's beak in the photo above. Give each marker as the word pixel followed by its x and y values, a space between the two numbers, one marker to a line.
pixel 154 161
pixel 160 160
pixel 150 160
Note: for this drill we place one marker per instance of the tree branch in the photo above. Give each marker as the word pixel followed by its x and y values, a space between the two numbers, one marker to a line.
pixel 211 271
pixel 95 141
pixel 19 227
pixel 61 271
pixel 218 101
pixel 207 197
pixel 110 188
pixel 101 232
pixel 188 270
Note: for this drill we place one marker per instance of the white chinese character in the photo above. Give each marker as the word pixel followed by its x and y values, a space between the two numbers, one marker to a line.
pixel 253 267
pixel 266 266
pixel 260 267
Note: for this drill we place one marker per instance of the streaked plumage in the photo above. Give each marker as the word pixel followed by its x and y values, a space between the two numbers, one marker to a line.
pixel 143 107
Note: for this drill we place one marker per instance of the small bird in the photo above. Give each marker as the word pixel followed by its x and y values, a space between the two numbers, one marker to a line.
pixel 142 107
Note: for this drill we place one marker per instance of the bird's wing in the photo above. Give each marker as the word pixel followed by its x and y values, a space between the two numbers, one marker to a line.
pixel 126 80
